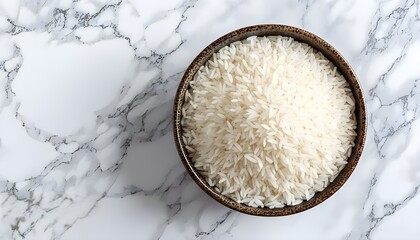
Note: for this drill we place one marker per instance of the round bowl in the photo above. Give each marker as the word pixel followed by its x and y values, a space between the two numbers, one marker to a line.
pixel 302 36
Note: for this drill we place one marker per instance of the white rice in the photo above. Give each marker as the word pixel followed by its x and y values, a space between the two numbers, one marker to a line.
pixel 269 121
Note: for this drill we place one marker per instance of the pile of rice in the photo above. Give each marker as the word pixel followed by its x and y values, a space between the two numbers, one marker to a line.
pixel 269 121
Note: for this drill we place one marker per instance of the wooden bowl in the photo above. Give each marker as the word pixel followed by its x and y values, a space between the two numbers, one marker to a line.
pixel 299 35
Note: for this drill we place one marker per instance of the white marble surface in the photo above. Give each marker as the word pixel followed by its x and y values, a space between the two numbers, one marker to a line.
pixel 86 90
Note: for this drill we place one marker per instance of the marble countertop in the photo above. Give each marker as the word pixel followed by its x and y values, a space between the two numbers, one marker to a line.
pixel 86 91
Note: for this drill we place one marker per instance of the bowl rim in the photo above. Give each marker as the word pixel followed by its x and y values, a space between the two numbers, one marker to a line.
pixel 354 83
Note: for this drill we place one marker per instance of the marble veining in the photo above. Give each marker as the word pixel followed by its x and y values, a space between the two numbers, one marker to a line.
pixel 86 92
